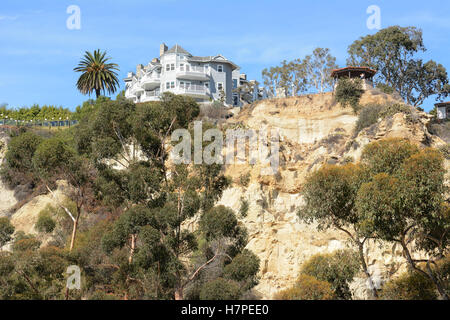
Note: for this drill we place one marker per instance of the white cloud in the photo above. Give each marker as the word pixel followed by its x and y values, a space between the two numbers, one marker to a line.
pixel 10 18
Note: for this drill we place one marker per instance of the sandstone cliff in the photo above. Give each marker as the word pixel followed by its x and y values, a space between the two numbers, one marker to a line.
pixel 313 131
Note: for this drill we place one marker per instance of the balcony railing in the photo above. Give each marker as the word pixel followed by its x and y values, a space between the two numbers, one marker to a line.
pixel 194 69
pixel 194 89
pixel 152 93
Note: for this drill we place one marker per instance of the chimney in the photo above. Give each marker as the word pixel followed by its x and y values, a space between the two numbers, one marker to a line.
pixel 155 60
pixel 162 49
pixel 139 68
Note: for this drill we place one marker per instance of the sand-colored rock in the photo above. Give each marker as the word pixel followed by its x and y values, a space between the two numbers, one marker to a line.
pixel 7 199
pixel 314 131
pixel 26 217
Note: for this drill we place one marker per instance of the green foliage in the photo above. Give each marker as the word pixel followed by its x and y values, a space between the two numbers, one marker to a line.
pixel 395 194
pixel 348 93
pixel 368 116
pixel 445 150
pixel 392 109
pixel 297 76
pixel 28 243
pixel 338 269
pixel 18 167
pixel 52 157
pixel 36 112
pixel 329 195
pixel 385 88
pixel 307 288
pixel 6 231
pixel 244 179
pixel 409 286
pixel 45 222
pixel 218 222
pixel 392 51
pixel 243 210
pixel 386 156
pixel 243 268
pixel 220 289
pixel 97 74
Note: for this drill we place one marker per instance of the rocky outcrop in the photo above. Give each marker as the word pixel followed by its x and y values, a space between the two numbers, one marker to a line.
pixel 313 131
pixel 7 199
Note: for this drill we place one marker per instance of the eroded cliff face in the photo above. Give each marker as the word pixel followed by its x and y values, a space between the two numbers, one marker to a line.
pixel 313 131
pixel 7 199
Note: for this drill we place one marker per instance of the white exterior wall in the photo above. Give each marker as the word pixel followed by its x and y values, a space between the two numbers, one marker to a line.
pixel 201 80
pixel 442 113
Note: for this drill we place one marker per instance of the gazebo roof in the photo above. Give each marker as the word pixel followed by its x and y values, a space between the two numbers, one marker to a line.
pixel 353 71
pixel 443 104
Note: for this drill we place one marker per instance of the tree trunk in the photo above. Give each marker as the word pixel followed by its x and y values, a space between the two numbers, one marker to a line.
pixel 179 294
pixel 74 231
pixel 428 273
pixel 366 271
pixel 97 93
pixel 133 248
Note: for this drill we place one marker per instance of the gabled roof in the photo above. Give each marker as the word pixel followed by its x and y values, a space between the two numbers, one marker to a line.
pixel 218 58
pixel 178 49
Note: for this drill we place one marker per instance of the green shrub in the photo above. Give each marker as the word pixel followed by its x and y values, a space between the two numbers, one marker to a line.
pixel 409 286
pixel 392 109
pixel 307 288
pixel 385 88
pixel 218 222
pixel 6 231
pixel 349 92
pixel 45 222
pixel 26 244
pixel 244 179
pixel 445 150
pixel 220 289
pixel 243 268
pixel 338 269
pixel 368 116
pixel 243 210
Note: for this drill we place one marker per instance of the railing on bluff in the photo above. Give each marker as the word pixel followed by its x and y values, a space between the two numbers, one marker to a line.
pixel 37 123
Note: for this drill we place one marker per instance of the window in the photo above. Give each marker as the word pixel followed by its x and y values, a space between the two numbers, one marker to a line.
pixel 167 67
pixel 181 66
pixel 182 84
pixel 167 85
pixel 220 68
pixel 219 86
pixel 234 83
pixel 188 67
pixel 172 66
pixel 172 85
pixel 206 84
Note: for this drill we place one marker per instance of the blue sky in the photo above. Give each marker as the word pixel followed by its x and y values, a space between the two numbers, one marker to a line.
pixel 38 52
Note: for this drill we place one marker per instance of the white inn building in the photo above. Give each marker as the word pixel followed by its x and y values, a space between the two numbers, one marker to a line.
pixel 177 71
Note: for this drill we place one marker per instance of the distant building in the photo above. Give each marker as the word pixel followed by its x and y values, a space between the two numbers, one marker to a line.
pixel 364 73
pixel 443 110
pixel 177 71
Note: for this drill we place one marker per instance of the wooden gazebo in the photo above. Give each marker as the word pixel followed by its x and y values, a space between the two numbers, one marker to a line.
pixel 366 74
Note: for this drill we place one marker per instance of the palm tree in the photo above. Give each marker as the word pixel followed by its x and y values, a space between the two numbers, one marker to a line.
pixel 98 75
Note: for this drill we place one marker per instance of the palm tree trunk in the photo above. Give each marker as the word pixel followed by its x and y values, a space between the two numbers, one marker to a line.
pixel 97 93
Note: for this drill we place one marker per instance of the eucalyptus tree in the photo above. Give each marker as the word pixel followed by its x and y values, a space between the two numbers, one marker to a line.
pixel 393 52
